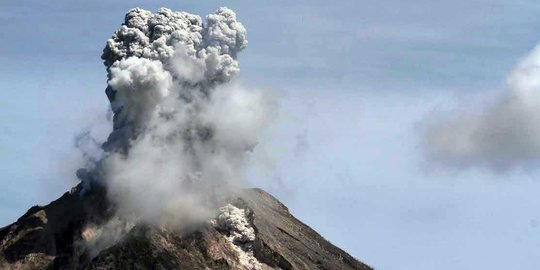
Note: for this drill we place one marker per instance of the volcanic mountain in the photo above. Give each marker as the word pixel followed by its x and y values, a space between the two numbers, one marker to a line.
pixel 163 191
pixel 252 231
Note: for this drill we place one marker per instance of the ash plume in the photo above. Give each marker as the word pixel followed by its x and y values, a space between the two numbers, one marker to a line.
pixel 182 128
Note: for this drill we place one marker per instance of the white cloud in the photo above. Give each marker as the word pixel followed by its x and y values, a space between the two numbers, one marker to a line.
pixel 499 136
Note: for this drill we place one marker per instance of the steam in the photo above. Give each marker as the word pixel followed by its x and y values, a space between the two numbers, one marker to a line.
pixel 240 234
pixel 182 128
pixel 499 137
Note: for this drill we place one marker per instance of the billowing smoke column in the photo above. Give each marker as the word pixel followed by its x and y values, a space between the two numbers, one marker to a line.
pixel 154 60
pixel 182 130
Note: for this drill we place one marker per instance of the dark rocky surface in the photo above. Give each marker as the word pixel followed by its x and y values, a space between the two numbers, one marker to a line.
pixel 51 237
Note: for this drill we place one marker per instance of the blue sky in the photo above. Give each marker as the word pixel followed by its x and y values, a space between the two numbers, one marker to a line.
pixel 354 80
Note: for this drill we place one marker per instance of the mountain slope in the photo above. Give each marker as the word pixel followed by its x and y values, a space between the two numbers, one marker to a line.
pixel 252 231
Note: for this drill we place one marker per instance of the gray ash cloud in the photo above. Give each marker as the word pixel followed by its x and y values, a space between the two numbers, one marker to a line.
pixel 183 128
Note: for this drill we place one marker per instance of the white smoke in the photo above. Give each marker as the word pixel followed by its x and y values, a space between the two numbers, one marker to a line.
pixel 233 221
pixel 98 237
pixel 499 137
pixel 182 129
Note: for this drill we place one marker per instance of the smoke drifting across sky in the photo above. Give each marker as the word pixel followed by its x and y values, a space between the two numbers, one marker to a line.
pixel 182 128
pixel 501 136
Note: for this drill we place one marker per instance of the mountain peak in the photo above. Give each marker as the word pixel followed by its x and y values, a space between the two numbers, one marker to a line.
pixel 253 230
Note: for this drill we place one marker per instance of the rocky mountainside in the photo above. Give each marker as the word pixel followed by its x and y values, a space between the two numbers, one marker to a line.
pixel 252 231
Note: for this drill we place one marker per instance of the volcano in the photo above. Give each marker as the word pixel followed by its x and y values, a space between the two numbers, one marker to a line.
pixel 253 230
pixel 164 190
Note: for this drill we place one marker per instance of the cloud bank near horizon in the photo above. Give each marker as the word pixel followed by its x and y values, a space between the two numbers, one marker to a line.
pixel 500 136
